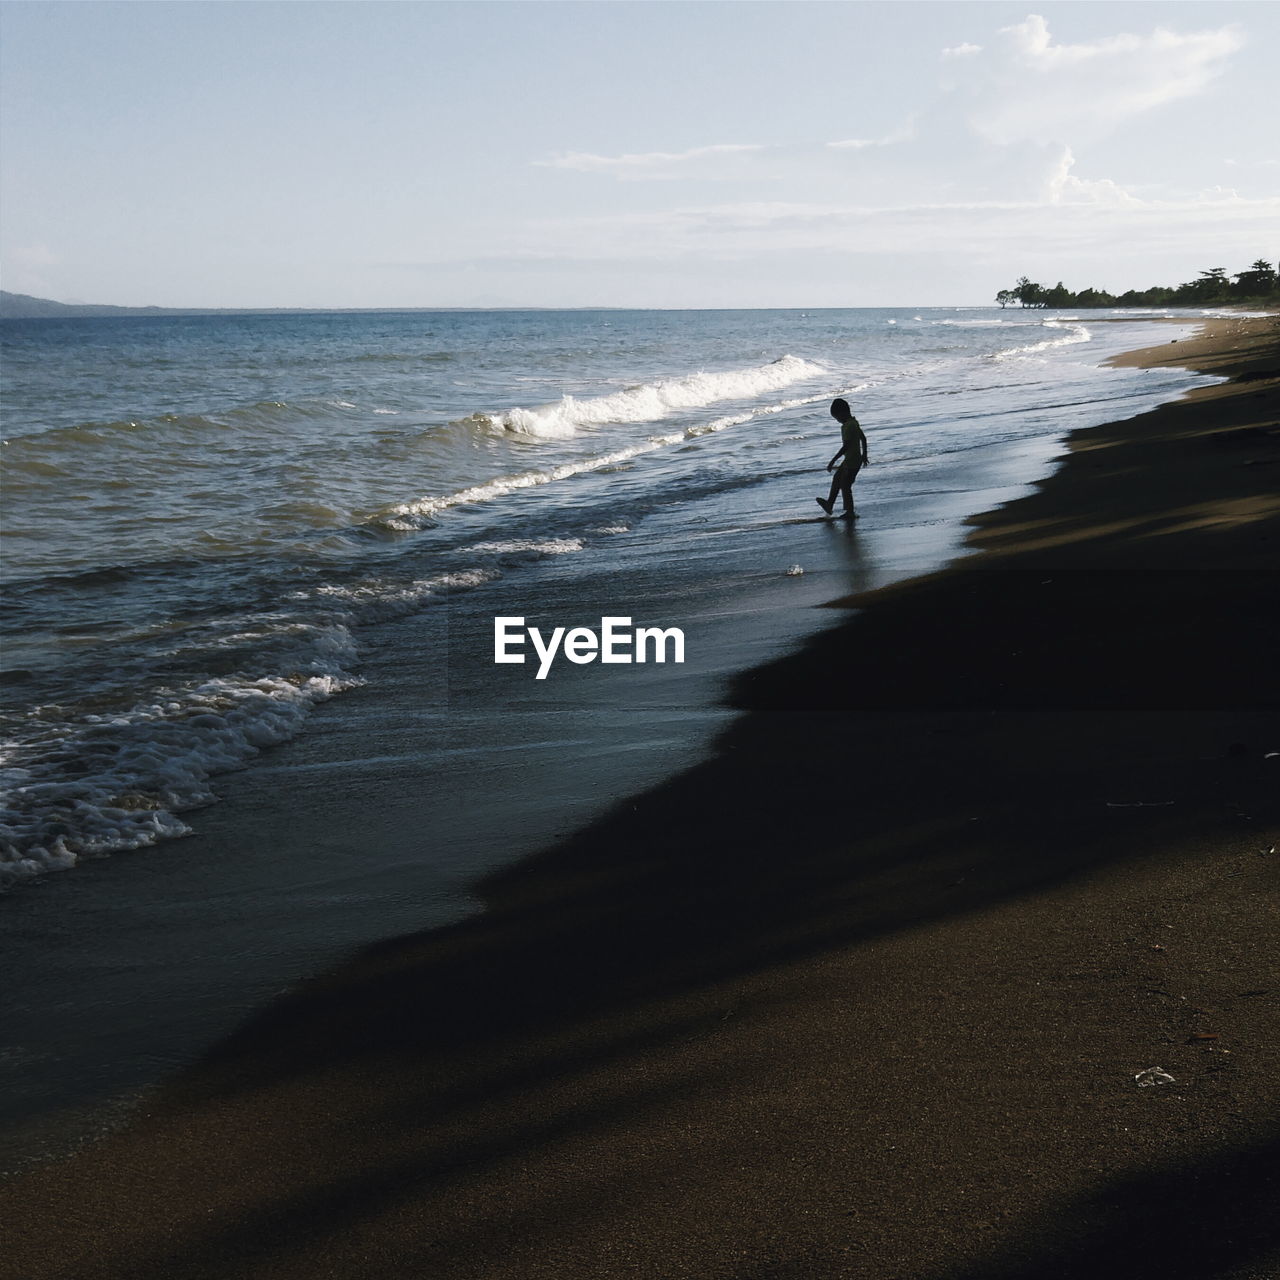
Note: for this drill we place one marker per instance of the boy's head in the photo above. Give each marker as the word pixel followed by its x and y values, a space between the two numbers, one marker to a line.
pixel 840 410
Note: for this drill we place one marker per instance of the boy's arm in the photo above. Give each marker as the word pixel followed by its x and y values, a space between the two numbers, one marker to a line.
pixel 835 459
pixel 862 444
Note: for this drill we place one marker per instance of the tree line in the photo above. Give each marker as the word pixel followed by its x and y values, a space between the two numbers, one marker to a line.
pixel 1258 284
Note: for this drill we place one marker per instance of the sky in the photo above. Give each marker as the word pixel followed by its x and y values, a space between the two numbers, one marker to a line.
pixel 637 153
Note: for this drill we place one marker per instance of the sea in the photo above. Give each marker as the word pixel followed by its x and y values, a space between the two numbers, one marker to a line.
pixel 251 716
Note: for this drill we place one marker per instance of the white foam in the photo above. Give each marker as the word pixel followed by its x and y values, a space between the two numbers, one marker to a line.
pixel 719 424
pixel 1075 333
pixel 654 401
pixel 1212 314
pixel 545 546
pixel 378 600
pixel 411 515
pixel 138 768
pixel 79 785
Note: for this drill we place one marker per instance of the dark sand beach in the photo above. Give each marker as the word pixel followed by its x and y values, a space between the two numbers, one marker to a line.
pixel 863 995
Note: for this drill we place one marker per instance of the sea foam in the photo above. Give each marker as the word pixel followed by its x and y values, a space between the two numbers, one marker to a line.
pixel 1074 333
pixel 409 516
pixel 651 402
pixel 82 784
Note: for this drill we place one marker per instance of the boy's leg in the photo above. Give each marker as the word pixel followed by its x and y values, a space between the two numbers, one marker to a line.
pixel 844 481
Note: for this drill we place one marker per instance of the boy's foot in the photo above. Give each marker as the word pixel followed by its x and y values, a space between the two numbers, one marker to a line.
pixel 825 505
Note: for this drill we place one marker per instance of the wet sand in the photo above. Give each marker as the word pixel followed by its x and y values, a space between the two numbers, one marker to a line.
pixel 865 994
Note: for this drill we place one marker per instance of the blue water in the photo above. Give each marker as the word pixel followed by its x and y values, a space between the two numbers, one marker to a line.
pixel 204 516
pixel 256 559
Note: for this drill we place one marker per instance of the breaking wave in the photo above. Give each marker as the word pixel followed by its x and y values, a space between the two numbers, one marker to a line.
pixel 651 402
pixel 410 516
pixel 82 782
pixel 1074 333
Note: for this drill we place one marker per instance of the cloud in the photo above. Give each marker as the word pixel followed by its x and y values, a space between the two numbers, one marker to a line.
pixel 649 164
pixel 1088 217
pixel 1063 187
pixel 991 170
pixel 1026 87
pixel 904 133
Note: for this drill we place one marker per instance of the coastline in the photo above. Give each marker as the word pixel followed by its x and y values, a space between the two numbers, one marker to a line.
pixel 865 993
pixel 378 818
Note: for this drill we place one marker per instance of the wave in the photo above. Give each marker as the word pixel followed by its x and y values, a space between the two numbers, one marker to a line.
pixel 516 546
pixel 87 782
pixel 1211 313
pixel 651 402
pixel 972 324
pixel 1075 333
pixel 118 781
pixel 411 516
pixel 399 357
pixel 185 428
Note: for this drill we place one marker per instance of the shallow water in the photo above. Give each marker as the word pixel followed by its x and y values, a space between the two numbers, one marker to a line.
pixel 204 516
pixel 220 524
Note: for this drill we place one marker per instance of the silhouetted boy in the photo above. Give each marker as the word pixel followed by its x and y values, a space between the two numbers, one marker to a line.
pixel 854 451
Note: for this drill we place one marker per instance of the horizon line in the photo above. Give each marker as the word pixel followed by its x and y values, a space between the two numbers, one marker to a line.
pixel 266 309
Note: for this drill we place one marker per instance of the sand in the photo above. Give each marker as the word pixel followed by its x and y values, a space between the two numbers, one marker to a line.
pixel 865 994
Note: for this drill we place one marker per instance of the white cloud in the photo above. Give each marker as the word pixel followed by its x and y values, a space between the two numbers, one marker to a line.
pixel 1091 217
pixel 650 164
pixel 904 133
pixel 1027 87
pixel 857 144
pixel 1063 187
pixel 991 173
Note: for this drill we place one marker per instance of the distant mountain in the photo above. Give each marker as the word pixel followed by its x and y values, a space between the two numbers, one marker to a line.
pixel 21 306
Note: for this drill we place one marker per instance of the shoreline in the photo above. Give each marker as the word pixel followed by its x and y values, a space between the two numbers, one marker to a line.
pixel 736 1029
pixel 115 1018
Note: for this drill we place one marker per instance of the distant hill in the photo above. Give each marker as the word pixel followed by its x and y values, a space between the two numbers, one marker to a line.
pixel 21 306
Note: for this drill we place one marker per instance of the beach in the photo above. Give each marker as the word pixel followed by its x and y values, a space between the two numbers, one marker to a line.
pixel 872 990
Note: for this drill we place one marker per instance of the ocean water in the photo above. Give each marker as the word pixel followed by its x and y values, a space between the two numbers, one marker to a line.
pixel 223 532
pixel 203 515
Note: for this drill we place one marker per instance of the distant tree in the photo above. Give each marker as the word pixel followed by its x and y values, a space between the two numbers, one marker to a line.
pixel 1257 282
pixel 1211 285
pixel 1028 293
pixel 1260 282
